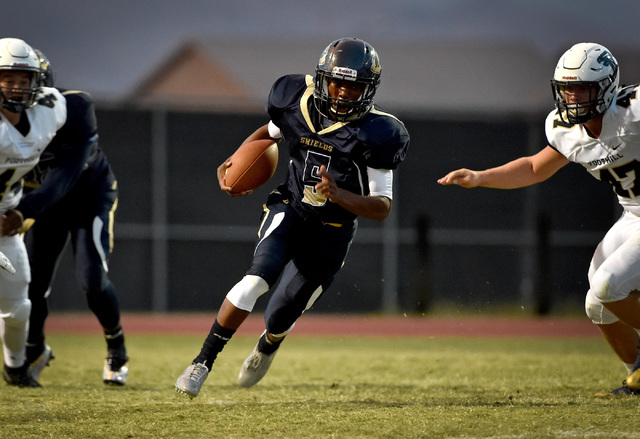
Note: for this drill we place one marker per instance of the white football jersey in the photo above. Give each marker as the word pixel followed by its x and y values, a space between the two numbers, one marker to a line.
pixel 614 157
pixel 18 153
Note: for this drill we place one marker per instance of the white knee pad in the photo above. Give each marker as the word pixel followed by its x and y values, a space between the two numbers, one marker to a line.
pixel 602 286
pixel 15 312
pixel 246 292
pixel 597 312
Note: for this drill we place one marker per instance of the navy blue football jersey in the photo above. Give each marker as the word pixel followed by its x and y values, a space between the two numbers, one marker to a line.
pixel 377 140
pixel 73 151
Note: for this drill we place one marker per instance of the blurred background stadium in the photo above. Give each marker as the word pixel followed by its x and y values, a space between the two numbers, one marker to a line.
pixel 179 85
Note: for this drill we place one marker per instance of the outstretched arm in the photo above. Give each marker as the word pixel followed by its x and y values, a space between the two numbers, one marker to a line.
pixel 524 171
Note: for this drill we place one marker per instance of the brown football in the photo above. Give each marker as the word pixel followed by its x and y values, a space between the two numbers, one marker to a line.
pixel 252 165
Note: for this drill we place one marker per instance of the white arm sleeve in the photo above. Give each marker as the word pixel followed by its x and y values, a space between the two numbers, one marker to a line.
pixel 380 182
pixel 274 131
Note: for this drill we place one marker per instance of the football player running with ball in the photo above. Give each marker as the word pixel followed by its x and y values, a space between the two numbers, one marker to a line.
pixel 29 119
pixel 343 150
pixel 596 124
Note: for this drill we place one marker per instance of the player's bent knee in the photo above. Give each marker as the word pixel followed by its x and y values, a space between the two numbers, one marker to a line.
pixel 246 292
pixel 605 287
pixel 597 312
pixel 15 312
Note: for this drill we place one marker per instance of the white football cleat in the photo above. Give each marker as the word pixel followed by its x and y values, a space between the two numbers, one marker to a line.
pixel 255 367
pixel 41 362
pixel 116 369
pixel 192 379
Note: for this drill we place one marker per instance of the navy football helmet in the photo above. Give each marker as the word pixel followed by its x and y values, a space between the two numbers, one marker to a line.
pixel 17 55
pixel 48 77
pixel 347 59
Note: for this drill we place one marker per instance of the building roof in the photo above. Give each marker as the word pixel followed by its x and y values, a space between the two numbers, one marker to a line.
pixel 437 77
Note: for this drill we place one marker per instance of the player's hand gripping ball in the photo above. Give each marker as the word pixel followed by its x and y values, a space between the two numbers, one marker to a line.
pixel 252 165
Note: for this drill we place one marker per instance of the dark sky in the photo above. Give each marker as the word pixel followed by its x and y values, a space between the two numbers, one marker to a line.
pixel 109 47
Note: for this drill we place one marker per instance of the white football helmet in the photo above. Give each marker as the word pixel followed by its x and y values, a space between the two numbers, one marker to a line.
pixel 585 64
pixel 17 55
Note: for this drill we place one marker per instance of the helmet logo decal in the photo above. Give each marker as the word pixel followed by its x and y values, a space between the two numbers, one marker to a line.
pixel 345 72
pixel 607 60
pixel 323 57
pixel 376 67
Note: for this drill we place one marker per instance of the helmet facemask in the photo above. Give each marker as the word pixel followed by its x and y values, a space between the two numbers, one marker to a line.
pixel 340 109
pixel 28 99
pixel 348 59
pixel 578 112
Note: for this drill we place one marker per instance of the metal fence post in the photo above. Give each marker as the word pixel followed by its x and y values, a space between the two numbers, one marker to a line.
pixel 423 276
pixel 543 253
pixel 159 234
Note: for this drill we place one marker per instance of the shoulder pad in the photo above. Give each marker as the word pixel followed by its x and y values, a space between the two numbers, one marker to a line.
pixel 286 91
pixel 81 117
pixel 386 140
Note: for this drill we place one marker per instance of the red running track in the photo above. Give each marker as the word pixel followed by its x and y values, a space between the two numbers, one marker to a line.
pixel 339 325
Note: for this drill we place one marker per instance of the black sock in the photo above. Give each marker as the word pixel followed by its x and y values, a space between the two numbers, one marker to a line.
pixel 213 344
pixel 267 346
pixel 115 340
pixel 34 349
pixel 33 352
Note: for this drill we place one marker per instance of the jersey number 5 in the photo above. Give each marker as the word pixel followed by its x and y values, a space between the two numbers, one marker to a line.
pixel 312 165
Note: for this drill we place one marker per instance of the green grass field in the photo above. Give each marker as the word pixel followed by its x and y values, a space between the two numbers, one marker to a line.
pixel 332 388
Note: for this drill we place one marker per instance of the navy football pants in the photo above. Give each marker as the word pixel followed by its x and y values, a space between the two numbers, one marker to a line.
pixel 86 223
pixel 307 253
